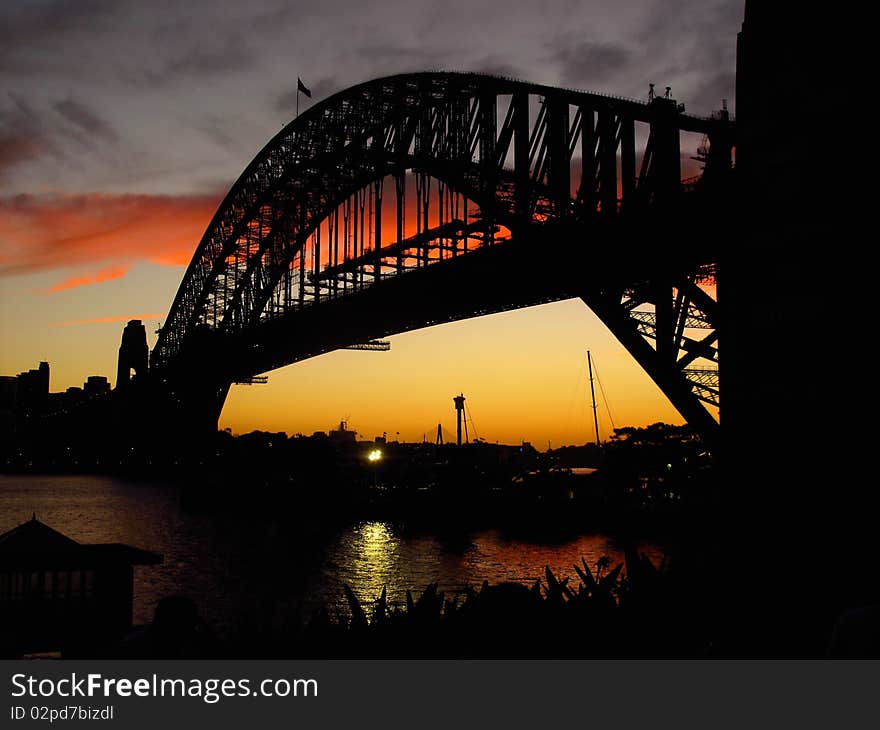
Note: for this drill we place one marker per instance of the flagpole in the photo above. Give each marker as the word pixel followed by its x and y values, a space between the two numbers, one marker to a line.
pixel 301 87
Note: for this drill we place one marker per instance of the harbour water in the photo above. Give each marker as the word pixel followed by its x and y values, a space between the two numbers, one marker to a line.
pixel 258 570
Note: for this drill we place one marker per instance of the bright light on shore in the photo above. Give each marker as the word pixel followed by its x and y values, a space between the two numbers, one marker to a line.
pixel 374 455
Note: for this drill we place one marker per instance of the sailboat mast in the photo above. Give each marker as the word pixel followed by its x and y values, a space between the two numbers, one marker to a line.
pixel 593 396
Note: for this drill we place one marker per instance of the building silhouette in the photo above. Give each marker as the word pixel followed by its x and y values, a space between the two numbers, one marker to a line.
pixel 133 353
pixel 56 592
pixel 33 388
pixel 96 385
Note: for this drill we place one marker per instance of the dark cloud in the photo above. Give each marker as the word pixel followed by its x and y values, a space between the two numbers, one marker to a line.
pixel 496 65
pixel 221 131
pixel 232 56
pixel 22 135
pixel 710 93
pixel 29 132
pixel 693 51
pixel 217 59
pixel 85 119
pixel 20 113
pixel 585 63
pixel 373 59
pixel 395 57
pixel 128 40
pixel 212 74
pixel 17 148
pixel 27 30
pixel 31 20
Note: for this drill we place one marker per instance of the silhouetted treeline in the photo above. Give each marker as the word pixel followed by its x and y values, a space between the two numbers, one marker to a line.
pixel 634 609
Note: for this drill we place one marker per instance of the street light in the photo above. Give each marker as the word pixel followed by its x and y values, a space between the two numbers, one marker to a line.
pixel 374 455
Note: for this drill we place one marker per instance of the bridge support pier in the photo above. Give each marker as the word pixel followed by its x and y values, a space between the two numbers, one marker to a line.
pixel 659 363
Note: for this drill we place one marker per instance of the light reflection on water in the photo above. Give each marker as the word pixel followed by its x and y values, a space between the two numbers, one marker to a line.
pixel 371 555
pixel 257 568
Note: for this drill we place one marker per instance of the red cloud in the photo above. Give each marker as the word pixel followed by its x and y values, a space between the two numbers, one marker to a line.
pixel 46 232
pixel 112 272
pixel 103 320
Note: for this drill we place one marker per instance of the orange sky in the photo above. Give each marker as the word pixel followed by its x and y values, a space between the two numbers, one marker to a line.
pixel 524 374
pixel 75 268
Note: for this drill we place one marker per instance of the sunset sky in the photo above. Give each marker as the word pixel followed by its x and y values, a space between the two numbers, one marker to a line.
pixel 123 124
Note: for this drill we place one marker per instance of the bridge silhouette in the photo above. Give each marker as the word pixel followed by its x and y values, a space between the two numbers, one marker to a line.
pixel 524 194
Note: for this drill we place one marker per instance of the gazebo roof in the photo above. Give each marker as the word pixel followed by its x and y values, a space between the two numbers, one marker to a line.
pixel 34 544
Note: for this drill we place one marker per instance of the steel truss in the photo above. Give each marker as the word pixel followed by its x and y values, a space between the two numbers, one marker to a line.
pixel 489 161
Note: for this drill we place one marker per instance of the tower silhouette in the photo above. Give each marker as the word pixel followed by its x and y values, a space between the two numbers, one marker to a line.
pixel 133 353
pixel 459 416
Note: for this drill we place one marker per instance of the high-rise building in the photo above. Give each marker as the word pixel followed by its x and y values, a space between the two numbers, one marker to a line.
pixel 33 388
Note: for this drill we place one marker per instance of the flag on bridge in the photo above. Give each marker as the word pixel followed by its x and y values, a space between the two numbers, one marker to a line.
pixel 300 86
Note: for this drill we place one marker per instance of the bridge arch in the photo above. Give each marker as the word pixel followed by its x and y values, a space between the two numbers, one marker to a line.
pixel 523 174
